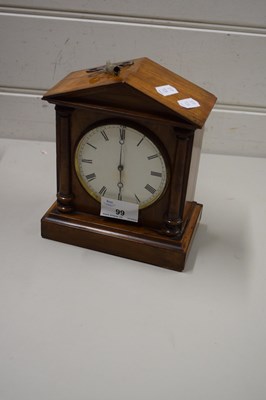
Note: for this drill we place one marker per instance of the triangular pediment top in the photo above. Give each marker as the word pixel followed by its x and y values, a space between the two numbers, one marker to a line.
pixel 145 76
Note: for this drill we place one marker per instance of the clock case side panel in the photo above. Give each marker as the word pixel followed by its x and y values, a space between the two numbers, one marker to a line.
pixel 194 164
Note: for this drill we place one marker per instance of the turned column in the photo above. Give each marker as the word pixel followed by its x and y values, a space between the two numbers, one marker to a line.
pixel 174 222
pixel 63 157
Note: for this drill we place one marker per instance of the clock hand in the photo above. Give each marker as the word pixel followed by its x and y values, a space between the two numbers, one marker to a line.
pixel 120 169
pixel 120 186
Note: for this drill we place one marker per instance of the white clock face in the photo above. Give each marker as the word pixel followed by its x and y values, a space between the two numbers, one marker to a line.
pixel 120 162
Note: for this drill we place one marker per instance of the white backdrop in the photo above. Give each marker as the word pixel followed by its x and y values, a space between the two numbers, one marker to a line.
pixel 220 46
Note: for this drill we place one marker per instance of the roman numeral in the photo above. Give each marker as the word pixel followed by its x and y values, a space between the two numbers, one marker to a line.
pixel 122 133
pixel 104 135
pixel 138 200
pixel 141 140
pixel 92 145
pixel 86 161
pixel 90 177
pixel 103 191
pixel 159 174
pixel 150 189
pixel 153 156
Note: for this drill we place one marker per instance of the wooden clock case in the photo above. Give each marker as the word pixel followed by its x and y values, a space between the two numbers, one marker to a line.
pixel 126 93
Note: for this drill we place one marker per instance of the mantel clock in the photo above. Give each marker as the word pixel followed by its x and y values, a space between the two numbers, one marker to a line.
pixel 127 161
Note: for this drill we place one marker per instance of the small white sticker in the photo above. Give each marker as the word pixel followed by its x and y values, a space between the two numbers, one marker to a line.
pixel 166 90
pixel 119 209
pixel 189 103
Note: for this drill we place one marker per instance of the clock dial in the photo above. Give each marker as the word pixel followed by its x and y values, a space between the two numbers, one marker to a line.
pixel 120 162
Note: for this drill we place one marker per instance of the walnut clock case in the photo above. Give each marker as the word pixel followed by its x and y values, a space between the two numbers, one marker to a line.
pixel 126 138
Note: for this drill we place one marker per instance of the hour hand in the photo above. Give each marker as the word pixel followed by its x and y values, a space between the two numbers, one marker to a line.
pixel 120 183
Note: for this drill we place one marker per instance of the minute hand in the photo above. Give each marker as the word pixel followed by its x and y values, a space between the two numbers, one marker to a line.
pixel 120 166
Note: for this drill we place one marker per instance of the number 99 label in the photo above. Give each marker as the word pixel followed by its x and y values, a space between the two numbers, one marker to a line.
pixel 118 209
